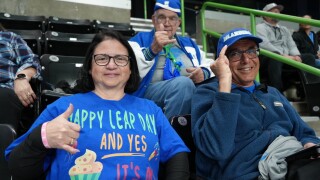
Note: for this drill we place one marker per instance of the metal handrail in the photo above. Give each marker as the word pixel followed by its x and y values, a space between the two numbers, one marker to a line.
pixel 253 13
pixel 182 15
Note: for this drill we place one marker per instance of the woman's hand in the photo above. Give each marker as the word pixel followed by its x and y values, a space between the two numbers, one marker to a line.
pixel 62 134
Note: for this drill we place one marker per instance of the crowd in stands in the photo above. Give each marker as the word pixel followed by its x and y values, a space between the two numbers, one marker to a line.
pixel 307 40
pixel 278 39
pixel 116 123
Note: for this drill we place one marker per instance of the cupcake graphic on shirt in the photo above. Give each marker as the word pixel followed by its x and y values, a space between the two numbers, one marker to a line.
pixel 86 167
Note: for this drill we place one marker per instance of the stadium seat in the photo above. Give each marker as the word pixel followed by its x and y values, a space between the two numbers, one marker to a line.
pixel 311 85
pixel 68 44
pixel 124 28
pixel 57 69
pixel 182 125
pixel 34 39
pixel 81 26
pixel 7 134
pixel 10 21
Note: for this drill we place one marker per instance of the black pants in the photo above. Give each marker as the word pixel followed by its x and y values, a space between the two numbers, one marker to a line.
pixel 271 70
pixel 10 108
pixel 14 113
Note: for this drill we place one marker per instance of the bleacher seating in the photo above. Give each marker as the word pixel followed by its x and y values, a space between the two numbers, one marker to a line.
pixel 55 69
pixel 68 44
pixel 33 38
pixel 311 87
pixel 58 67
pixel 10 21
pixel 69 25
pixel 182 125
pixel 124 28
pixel 59 36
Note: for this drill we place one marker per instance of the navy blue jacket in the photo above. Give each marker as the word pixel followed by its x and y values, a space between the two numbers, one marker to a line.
pixel 232 130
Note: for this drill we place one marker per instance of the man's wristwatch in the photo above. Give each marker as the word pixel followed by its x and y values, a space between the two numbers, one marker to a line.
pixel 20 76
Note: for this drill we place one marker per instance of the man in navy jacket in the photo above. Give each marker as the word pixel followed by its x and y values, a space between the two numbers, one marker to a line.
pixel 235 118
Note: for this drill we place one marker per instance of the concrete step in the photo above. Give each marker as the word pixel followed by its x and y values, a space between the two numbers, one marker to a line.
pixel 312 121
pixel 300 107
pixel 134 19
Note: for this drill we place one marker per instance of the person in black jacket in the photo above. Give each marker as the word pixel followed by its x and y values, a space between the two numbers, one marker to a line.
pixel 307 40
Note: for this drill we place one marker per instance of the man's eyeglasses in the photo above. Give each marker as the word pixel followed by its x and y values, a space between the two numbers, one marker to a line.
pixel 163 19
pixel 236 55
pixel 104 59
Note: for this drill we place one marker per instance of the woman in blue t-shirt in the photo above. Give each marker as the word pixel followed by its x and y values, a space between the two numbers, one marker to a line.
pixel 101 132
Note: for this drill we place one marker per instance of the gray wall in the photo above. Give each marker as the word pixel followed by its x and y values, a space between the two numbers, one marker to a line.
pixel 222 22
pixel 64 10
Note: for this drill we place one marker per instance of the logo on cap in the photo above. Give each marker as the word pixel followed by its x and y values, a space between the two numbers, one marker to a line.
pixel 166 3
pixel 236 33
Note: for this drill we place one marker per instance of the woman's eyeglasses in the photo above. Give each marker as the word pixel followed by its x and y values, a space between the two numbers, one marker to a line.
pixel 104 59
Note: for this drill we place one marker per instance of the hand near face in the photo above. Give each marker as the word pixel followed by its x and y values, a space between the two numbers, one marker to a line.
pixel 222 71
pixel 161 39
pixel 196 74
pixel 62 134
pixel 23 90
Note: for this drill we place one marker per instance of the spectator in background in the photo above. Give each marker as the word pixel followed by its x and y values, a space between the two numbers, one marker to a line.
pixel 307 40
pixel 170 65
pixel 278 39
pixel 235 118
pixel 18 64
pixel 102 132
pixel 318 34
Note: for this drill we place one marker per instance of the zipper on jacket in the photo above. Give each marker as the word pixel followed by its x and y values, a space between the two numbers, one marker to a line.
pixel 258 101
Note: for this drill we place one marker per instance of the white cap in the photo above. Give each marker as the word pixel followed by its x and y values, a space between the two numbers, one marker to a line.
pixel 270 6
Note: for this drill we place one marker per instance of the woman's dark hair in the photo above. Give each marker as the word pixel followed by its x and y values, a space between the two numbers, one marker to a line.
pixel 85 83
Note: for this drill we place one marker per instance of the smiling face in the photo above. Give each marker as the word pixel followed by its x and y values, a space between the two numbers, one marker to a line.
pixel 169 19
pixel 244 70
pixel 110 76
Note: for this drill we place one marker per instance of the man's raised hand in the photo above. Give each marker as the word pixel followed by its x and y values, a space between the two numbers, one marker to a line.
pixel 161 39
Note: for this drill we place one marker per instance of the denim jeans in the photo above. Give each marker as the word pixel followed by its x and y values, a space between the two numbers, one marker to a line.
pixel 173 95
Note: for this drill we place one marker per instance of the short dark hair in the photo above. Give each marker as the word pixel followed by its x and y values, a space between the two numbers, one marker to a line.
pixel 85 83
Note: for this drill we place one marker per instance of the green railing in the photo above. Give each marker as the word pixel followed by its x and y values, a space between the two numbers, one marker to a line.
pixel 253 13
pixel 182 15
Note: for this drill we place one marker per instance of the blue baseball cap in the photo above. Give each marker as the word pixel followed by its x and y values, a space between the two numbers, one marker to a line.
pixel 234 35
pixel 171 5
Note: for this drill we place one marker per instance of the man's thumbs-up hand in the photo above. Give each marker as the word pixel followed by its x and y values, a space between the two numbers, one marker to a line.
pixel 63 134
pixel 160 39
